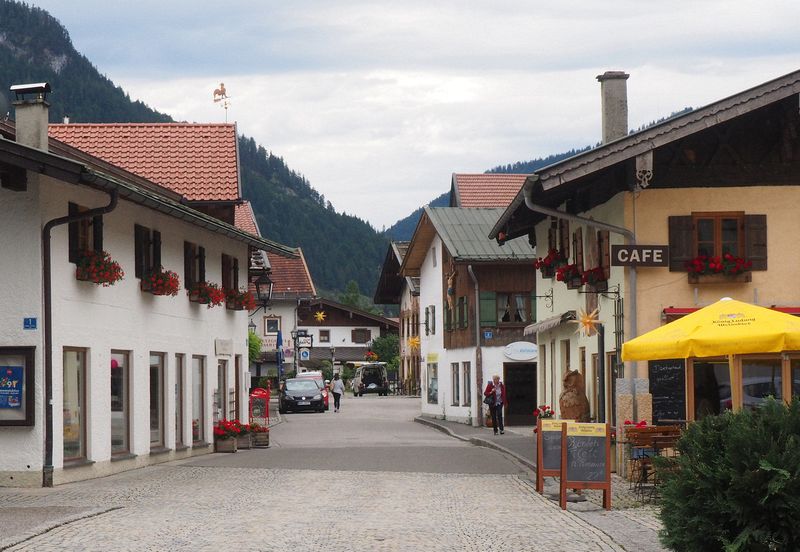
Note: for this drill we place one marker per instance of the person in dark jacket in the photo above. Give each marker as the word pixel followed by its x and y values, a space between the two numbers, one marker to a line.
pixel 497 390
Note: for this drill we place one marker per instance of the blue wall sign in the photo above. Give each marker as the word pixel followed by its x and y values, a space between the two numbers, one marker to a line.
pixel 488 334
pixel 11 386
pixel 29 323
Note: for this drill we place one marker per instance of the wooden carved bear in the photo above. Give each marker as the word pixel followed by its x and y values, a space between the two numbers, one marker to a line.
pixel 573 403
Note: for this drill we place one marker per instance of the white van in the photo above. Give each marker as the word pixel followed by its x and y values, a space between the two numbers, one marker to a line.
pixel 370 378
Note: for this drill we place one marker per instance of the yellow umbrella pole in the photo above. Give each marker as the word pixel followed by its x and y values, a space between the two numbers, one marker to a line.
pixel 734 388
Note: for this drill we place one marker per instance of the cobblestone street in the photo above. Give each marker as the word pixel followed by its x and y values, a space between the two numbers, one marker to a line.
pixel 245 502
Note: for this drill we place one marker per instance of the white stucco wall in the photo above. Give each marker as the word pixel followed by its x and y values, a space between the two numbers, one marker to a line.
pixel 119 317
pixel 432 345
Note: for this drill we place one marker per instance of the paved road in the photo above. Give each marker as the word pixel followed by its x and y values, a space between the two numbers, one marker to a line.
pixel 367 478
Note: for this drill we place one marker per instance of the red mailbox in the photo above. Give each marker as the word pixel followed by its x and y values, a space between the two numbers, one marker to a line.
pixel 259 406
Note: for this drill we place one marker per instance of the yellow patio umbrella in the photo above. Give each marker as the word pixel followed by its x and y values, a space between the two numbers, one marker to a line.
pixel 725 328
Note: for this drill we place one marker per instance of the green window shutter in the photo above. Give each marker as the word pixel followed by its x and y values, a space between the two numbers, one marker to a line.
pixel 488 308
pixel 463 310
pixel 533 307
pixel 448 317
pixel 427 321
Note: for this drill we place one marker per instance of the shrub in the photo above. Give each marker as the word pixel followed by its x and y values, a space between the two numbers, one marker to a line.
pixel 736 485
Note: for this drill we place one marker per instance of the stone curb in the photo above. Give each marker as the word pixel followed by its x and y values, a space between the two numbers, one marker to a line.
pixel 49 526
pixel 477 441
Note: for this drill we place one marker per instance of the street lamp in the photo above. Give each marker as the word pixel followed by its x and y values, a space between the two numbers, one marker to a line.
pixel 264 286
pixel 252 326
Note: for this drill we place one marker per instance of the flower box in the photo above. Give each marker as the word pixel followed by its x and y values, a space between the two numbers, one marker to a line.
pixel 574 282
pixel 239 299
pixel 161 282
pixel 231 305
pixel 720 278
pixel 225 445
pixel 99 268
pixel 244 442
pixel 547 265
pixel 206 293
pixel 261 439
pixel 194 297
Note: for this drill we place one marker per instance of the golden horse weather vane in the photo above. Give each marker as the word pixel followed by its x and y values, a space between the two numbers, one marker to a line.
pixel 221 97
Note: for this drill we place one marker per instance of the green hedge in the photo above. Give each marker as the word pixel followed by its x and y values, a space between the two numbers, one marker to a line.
pixel 736 483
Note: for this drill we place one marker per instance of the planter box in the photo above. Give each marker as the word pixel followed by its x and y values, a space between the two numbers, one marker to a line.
pixel 225 445
pixel 82 276
pixel 548 272
pixel 720 278
pixel 261 439
pixel 231 305
pixel 194 297
pixel 574 283
pixel 243 441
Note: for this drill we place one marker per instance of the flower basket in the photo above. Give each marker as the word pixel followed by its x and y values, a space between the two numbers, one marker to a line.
pixel 99 268
pixel 725 269
pixel 225 445
pixel 239 299
pixel 549 264
pixel 206 293
pixel 570 275
pixel 161 282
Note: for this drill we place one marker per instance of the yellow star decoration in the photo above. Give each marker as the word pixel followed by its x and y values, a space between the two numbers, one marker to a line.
pixel 587 322
pixel 319 316
pixel 413 342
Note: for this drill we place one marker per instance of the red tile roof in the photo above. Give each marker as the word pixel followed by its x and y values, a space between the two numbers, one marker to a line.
pixel 291 276
pixel 245 218
pixel 199 161
pixel 486 190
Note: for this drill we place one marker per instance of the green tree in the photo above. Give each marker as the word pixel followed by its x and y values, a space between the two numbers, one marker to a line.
pixel 253 347
pixel 387 347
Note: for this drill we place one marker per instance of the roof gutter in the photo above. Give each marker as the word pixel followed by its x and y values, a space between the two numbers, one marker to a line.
pixel 527 192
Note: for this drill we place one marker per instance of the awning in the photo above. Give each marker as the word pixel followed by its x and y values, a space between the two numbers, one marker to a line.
pixel 549 323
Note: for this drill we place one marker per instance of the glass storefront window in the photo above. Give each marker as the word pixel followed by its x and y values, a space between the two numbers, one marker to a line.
pixel 433 383
pixel 156 399
pixel 74 380
pixel 467 383
pixel 454 377
pixel 761 378
pixel 178 400
pixel 198 393
pixel 119 402
pixel 712 388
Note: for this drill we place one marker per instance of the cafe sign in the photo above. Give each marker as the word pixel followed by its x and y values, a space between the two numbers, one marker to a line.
pixel 639 255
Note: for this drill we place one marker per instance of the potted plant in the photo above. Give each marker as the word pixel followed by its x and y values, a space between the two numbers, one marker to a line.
pixel 726 268
pixel 570 275
pixel 226 433
pixel 260 435
pixel 206 293
pixel 371 356
pixel 98 267
pixel 239 299
pixel 543 411
pixel 243 438
pixel 161 282
pixel 548 264
pixel 595 277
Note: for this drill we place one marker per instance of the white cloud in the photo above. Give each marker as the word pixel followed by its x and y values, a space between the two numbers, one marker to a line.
pixel 377 103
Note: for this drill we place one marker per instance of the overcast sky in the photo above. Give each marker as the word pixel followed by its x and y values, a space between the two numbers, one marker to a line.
pixel 378 103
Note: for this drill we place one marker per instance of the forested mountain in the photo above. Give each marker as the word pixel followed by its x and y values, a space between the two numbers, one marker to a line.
pixel 403 229
pixel 35 47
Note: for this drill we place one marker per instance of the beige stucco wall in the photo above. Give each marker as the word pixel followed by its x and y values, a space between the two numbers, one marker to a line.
pixel 660 288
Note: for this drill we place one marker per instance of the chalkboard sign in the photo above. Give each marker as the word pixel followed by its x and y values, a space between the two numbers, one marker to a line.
pixel 586 460
pixel 548 450
pixel 668 388
pixel 586 452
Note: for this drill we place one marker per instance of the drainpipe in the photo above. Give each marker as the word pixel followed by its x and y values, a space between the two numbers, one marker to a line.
pixel 47 469
pixel 527 193
pixel 478 352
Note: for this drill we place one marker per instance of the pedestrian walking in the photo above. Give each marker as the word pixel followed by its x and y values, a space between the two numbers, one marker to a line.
pixel 337 388
pixel 495 394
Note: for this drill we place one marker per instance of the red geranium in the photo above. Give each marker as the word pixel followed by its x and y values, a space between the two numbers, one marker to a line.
pixel 553 260
pixel 240 299
pixel 227 429
pixel 207 293
pixel 567 272
pixel 727 264
pixel 162 282
pixel 98 267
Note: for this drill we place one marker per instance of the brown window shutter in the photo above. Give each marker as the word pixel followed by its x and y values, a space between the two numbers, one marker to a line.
pixel 226 271
pixel 563 244
pixel 552 235
pixel 188 264
pixel 604 247
pixel 138 253
pixel 201 264
pixel 681 242
pixel 74 254
pixel 577 241
pixel 97 232
pixel 235 273
pixel 156 251
pixel 755 235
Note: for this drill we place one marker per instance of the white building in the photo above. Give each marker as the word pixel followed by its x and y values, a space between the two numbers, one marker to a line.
pixel 130 378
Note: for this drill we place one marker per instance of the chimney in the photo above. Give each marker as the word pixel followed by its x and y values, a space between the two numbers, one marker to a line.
pixel 614 95
pixel 31 114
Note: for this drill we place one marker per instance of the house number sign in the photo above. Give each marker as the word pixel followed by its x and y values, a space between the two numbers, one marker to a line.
pixel 639 255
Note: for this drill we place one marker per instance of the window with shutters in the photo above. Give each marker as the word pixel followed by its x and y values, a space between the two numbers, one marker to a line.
pixel 462 312
pixel 147 250
pixel 85 234
pixel 577 248
pixel 194 264
pixel 716 234
pixel 230 272
pixel 563 237
pixel 513 308
pixel 360 335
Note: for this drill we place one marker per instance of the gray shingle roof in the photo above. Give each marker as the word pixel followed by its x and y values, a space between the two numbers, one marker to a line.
pixel 464 232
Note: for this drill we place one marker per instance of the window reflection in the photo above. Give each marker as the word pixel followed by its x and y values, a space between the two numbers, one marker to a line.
pixel 761 378
pixel 712 388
